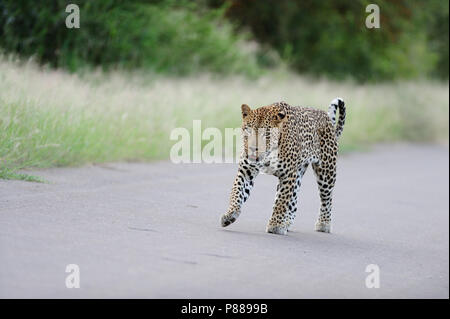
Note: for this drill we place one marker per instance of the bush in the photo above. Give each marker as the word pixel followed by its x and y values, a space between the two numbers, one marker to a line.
pixel 161 36
pixel 330 37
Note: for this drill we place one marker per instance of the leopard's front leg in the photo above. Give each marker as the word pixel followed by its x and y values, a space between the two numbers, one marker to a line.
pixel 285 203
pixel 240 192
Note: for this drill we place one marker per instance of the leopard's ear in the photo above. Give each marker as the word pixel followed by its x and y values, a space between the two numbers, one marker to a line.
pixel 280 115
pixel 245 110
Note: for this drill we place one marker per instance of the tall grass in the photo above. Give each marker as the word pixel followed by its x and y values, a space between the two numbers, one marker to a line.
pixel 51 118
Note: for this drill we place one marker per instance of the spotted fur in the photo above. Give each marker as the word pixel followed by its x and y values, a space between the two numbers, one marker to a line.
pixel 283 141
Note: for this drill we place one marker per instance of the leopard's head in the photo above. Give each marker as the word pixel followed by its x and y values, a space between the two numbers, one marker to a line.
pixel 261 130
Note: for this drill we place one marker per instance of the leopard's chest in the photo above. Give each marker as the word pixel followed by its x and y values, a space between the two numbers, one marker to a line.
pixel 270 164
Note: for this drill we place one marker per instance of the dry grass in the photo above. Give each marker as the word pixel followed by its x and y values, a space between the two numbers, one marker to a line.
pixel 51 118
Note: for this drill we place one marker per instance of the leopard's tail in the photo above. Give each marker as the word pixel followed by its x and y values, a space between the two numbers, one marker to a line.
pixel 336 104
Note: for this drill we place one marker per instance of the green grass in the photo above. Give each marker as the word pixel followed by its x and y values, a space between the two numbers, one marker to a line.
pixel 50 118
pixel 6 173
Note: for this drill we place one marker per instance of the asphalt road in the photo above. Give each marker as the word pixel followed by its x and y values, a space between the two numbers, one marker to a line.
pixel 152 231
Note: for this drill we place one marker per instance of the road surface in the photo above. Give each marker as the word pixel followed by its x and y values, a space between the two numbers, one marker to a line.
pixel 140 230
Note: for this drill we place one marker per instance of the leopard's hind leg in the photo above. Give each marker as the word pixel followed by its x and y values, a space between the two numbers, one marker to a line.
pixel 294 202
pixel 325 172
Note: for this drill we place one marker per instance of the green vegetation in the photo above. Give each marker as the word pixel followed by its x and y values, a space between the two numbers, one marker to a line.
pixel 52 118
pixel 115 88
pixel 321 38
pixel 330 37
pixel 6 173
pixel 176 37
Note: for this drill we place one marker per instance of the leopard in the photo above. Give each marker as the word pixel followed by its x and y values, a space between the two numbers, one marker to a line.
pixel 283 140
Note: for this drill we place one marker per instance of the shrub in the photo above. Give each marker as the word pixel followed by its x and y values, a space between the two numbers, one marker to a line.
pixel 330 37
pixel 161 36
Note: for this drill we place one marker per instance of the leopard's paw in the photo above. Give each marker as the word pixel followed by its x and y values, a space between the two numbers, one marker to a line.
pixel 323 227
pixel 228 218
pixel 277 229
